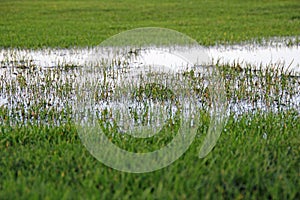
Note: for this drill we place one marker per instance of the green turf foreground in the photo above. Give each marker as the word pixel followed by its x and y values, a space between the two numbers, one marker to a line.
pixel 35 24
pixel 257 157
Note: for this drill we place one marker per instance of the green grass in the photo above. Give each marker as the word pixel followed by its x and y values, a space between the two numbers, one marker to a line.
pixel 256 157
pixel 40 162
pixel 35 24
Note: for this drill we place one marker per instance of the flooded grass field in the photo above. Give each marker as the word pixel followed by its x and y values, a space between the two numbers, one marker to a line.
pixel 35 83
pixel 39 93
pixel 38 104
pixel 53 75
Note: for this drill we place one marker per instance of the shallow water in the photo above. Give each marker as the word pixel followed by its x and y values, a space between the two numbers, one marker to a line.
pixel 13 62
pixel 258 56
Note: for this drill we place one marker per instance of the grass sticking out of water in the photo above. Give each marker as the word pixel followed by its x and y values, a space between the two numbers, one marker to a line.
pixel 257 155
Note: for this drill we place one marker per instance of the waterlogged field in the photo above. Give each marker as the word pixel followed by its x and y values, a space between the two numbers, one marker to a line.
pixel 257 154
pixel 42 156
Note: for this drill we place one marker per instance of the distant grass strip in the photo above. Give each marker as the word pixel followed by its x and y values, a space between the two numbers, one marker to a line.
pixel 36 24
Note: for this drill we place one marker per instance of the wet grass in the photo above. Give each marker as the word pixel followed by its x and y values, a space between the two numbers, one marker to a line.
pixel 42 157
pixel 50 162
pixel 36 24
pixel 257 155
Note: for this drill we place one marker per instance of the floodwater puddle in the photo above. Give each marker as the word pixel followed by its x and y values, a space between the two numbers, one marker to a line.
pixel 260 56
pixel 15 62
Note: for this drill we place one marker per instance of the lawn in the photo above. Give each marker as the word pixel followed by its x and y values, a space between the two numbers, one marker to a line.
pixel 256 157
pixel 35 24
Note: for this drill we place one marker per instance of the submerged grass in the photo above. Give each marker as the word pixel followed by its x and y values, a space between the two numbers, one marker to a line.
pixel 42 157
pixel 257 155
